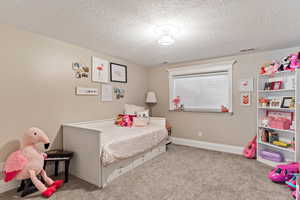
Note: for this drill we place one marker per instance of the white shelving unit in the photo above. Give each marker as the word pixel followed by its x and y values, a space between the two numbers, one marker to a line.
pixel 290 154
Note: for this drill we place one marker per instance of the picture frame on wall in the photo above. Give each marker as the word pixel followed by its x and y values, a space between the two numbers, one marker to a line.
pixel 246 99
pixel 118 73
pixel 100 70
pixel 246 85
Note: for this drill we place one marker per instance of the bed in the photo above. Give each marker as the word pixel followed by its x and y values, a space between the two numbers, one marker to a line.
pixel 104 151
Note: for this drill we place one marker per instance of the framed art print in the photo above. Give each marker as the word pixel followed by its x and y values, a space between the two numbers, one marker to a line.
pixel 118 73
pixel 246 85
pixel 99 70
pixel 246 99
pixel 106 92
pixel 277 85
pixel 287 102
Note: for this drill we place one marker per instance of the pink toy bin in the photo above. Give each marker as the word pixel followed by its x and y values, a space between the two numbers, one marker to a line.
pixel 280 123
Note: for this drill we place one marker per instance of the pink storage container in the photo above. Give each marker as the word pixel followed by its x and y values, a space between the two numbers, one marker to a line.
pixel 280 123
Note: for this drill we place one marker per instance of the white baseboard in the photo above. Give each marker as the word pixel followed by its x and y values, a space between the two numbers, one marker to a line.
pixel 210 146
pixel 4 187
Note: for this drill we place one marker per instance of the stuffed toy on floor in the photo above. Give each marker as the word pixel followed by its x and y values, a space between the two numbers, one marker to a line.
pixel 28 163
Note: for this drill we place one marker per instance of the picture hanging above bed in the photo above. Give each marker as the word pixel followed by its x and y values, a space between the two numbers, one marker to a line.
pixel 99 70
pixel 118 73
pixel 80 70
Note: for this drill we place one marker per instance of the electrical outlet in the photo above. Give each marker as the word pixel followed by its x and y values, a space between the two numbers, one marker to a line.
pixel 200 134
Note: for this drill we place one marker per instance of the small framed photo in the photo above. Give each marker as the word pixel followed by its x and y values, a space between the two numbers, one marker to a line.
pixel 277 85
pixel 287 102
pixel 246 99
pixel 118 73
pixel 268 86
pixel 275 102
pixel 246 85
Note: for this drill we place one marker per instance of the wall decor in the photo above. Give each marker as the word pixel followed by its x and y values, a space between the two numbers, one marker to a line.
pixel 86 91
pixel 278 85
pixel 100 70
pixel 118 73
pixel 81 71
pixel 246 85
pixel 106 92
pixel 287 102
pixel 246 99
pixel 120 93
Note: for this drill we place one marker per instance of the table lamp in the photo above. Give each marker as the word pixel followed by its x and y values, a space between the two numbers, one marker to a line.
pixel 151 101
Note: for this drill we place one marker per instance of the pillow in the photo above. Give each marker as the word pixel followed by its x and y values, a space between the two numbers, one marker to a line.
pixel 132 109
pixel 140 121
pixel 144 113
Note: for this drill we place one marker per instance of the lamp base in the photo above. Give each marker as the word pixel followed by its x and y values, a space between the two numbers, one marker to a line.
pixel 150 105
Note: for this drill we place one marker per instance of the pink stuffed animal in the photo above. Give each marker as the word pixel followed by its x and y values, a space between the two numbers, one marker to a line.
pixel 28 163
pixel 273 68
pixel 295 64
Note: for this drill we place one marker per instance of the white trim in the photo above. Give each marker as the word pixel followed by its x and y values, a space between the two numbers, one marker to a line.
pixel 202 68
pixel 207 145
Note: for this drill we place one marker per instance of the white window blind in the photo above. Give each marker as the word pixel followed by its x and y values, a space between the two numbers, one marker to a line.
pixel 202 89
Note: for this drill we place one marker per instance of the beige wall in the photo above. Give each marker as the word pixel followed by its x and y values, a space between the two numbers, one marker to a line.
pixel 216 127
pixel 37 87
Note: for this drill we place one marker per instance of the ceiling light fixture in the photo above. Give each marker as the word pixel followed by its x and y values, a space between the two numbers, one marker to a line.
pixel 166 40
pixel 166 34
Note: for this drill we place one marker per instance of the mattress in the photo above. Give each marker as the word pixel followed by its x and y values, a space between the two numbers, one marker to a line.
pixel 118 143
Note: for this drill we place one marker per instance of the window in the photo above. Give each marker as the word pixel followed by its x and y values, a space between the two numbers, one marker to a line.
pixel 203 88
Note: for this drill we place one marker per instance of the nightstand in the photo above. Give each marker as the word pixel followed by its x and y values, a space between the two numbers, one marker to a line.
pixel 169 129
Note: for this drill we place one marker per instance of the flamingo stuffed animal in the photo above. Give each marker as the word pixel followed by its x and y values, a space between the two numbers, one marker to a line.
pixel 28 162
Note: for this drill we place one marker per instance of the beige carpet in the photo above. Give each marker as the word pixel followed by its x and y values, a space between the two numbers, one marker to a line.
pixel 183 173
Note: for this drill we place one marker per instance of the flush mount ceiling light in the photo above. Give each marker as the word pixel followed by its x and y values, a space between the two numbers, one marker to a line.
pixel 166 40
pixel 166 34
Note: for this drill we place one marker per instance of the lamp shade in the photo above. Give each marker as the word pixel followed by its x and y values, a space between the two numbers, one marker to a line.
pixel 151 97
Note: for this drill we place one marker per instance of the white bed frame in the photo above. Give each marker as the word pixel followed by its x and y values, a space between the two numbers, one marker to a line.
pixel 84 139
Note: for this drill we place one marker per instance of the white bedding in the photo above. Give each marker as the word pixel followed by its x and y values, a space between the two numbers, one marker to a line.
pixel 118 143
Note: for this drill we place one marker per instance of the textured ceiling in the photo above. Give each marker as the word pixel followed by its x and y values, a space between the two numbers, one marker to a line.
pixel 125 28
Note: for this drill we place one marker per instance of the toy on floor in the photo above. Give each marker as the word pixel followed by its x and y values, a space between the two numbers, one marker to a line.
pixel 283 173
pixel 250 149
pixel 296 193
pixel 292 182
pixel 28 163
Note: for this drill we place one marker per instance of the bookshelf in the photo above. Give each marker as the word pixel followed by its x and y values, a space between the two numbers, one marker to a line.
pixel 266 134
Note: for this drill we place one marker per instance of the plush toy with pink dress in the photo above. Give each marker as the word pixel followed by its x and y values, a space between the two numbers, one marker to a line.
pixel 28 163
pixel 295 61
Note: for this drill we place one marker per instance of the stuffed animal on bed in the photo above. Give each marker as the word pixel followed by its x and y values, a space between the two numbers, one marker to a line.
pixel 28 162
pixel 125 120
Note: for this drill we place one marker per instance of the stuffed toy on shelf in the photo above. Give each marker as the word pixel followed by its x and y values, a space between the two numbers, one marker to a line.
pixel 28 162
pixel 295 61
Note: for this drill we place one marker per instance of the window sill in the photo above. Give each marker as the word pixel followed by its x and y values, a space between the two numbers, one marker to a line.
pixel 201 111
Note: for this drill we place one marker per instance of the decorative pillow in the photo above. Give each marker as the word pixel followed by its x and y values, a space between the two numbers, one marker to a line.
pixel 124 120
pixel 140 121
pixel 132 109
pixel 144 113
